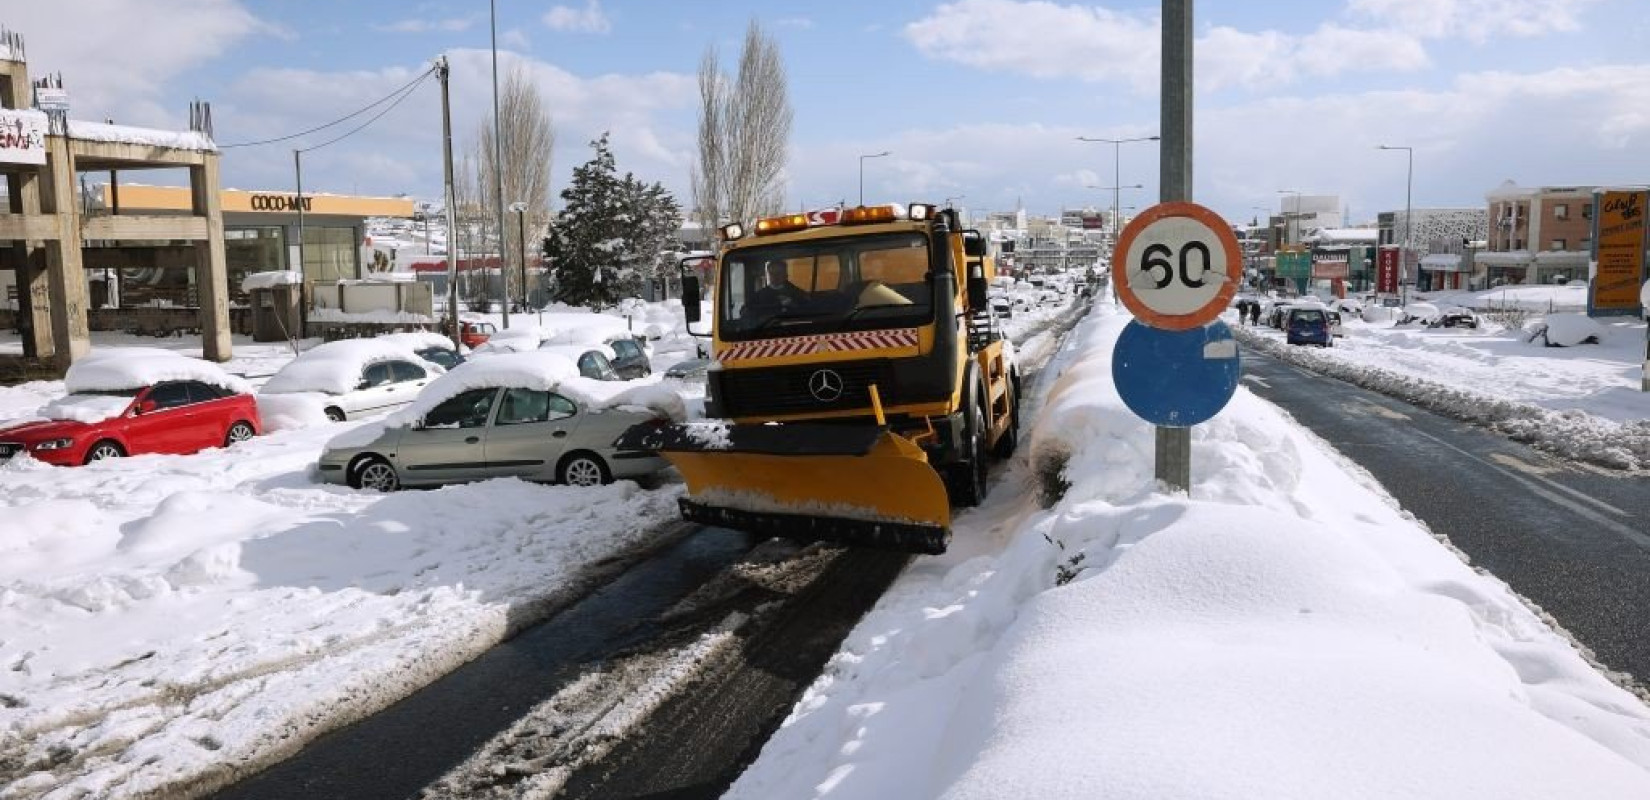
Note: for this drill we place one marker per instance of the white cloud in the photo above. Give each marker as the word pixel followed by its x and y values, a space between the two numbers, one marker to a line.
pixel 117 62
pixel 426 25
pixel 795 22
pixel 589 19
pixel 1474 20
pixel 649 115
pixel 1042 39
pixel 516 38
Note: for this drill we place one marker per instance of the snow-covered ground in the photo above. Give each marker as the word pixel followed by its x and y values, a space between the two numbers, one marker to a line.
pixel 169 623
pixel 1584 401
pixel 1287 632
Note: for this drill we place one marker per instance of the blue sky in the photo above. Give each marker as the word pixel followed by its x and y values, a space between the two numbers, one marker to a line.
pixel 977 98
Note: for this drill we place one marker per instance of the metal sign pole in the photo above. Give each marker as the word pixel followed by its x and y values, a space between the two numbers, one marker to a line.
pixel 1174 445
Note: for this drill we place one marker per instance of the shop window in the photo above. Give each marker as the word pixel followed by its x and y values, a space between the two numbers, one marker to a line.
pixel 330 254
pixel 249 250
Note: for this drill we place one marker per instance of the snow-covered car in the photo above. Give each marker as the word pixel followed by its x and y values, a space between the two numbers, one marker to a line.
pixel 693 369
pixel 523 415
pixel 1423 313
pixel 132 400
pixel 592 362
pixel 476 333
pixel 630 357
pixel 1454 317
pixel 356 377
pixel 1335 326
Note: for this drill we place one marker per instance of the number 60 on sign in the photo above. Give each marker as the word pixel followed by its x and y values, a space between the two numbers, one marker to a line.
pixel 1177 265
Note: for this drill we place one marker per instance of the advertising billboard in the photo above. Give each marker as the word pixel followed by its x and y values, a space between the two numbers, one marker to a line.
pixel 22 136
pixel 1618 251
pixel 1386 271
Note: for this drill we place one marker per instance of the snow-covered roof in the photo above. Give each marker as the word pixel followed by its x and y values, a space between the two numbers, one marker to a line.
pixel 126 134
pixel 1349 235
pixel 335 367
pixel 266 280
pixel 116 369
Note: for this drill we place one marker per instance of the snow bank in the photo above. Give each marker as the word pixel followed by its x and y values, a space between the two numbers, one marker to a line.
pixel 87 408
pixel 1570 330
pixel 273 278
pixel 281 412
pixel 1286 632
pixel 335 367
pixel 124 368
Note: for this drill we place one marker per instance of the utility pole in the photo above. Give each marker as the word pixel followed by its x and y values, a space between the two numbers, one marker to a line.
pixel 441 70
pixel 1174 445
pixel 298 171
pixel 498 173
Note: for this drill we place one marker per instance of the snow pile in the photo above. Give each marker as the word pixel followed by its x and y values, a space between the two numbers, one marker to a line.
pixel 87 408
pixel 171 623
pixel 126 134
pixel 283 412
pixel 1284 633
pixel 516 339
pixel 418 340
pixel 271 279
pixel 1569 330
pixel 117 369
pixel 1572 432
pixel 335 367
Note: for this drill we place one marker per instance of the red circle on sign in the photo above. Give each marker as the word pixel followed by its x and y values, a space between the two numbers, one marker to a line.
pixel 1223 238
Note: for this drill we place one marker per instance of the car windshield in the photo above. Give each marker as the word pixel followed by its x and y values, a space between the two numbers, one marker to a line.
pixel 825 285
pixel 1306 315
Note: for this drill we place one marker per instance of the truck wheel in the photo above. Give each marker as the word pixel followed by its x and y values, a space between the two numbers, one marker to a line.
pixel 968 475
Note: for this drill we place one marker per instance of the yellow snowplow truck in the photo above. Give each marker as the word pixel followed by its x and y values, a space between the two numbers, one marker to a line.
pixel 859 385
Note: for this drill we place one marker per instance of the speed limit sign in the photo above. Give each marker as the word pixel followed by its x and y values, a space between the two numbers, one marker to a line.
pixel 1177 265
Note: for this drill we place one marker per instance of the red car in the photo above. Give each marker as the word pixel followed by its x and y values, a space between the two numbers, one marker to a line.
pixel 476 334
pixel 175 416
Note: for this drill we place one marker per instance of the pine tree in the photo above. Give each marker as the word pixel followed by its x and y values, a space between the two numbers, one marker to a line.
pixel 608 237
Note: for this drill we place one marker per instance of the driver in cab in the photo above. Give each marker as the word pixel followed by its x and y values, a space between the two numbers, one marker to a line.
pixel 777 290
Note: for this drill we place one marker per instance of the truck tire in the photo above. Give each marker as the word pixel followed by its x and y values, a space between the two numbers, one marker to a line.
pixel 969 473
pixel 1011 438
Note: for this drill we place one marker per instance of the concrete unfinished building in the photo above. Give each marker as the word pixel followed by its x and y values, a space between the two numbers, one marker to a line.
pixel 47 234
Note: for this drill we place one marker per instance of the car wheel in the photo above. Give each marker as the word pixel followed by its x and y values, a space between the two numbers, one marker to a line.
pixel 583 468
pixel 373 472
pixel 335 414
pixel 239 432
pixel 104 450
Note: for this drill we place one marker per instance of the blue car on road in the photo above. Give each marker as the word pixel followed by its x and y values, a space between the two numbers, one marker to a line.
pixel 1308 326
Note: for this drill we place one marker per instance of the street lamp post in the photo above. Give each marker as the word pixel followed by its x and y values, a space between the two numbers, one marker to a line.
pixel 521 236
pixel 948 200
pixel 1409 185
pixel 1116 173
pixel 862 171
pixel 498 170
pixel 1116 218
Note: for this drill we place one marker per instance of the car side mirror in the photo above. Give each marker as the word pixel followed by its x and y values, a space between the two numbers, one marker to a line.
pixel 690 298
pixel 145 407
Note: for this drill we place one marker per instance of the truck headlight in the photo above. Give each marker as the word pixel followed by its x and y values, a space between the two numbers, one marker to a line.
pixel 55 444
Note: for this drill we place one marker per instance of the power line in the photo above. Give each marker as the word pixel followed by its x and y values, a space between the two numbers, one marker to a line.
pixel 358 112
pixel 407 92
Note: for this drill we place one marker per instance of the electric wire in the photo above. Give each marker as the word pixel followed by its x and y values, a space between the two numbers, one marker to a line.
pixel 358 112
pixel 407 92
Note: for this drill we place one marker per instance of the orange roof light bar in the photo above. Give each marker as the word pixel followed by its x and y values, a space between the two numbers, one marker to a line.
pixel 867 214
pixel 788 222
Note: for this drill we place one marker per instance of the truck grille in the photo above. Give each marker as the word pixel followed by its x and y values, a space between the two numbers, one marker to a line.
pixel 772 391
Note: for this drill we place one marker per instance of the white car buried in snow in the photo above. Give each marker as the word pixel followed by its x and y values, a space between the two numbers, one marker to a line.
pixel 523 415
pixel 355 377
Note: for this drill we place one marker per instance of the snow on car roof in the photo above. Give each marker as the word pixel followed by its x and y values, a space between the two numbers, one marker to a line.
pixel 335 367
pixel 418 340
pixel 115 369
pixel 542 371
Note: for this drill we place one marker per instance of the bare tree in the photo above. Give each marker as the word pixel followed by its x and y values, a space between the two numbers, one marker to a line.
pixel 527 142
pixel 744 133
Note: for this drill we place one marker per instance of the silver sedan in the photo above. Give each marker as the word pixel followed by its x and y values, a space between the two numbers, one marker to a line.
pixel 491 432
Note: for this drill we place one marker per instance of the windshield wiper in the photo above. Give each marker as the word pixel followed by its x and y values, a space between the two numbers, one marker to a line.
pixel 850 315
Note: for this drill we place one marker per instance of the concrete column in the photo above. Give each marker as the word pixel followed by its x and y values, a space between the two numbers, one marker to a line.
pixel 29 258
pixel 211 265
pixel 65 273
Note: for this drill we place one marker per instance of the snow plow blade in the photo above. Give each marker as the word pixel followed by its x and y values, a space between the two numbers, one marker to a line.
pixel 857 485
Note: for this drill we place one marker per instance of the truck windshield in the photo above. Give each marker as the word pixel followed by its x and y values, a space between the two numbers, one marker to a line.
pixel 825 285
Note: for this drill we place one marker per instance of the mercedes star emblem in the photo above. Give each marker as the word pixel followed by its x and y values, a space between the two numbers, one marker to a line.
pixel 825 385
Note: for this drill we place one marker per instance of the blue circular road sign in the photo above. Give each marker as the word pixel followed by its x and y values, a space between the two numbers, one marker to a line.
pixel 1176 379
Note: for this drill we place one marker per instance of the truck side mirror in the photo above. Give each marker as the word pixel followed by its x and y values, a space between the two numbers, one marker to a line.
pixel 973 244
pixel 690 298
